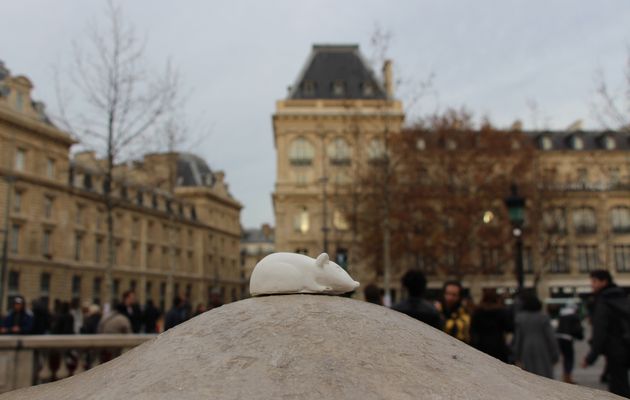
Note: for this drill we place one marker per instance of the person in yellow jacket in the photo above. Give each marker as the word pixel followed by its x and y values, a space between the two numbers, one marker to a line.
pixel 456 318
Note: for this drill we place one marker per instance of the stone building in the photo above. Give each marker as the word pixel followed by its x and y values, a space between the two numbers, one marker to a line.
pixel 334 119
pixel 256 243
pixel 333 122
pixel 176 225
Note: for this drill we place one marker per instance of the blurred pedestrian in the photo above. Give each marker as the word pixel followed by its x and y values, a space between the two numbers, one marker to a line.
pixel 19 321
pixel 63 324
pixel 569 329
pixel 151 315
pixel 176 315
pixel 77 314
pixel 610 331
pixel 130 308
pixel 415 306
pixel 41 317
pixel 489 326
pixel 215 299
pixel 199 310
pixel 456 318
pixel 373 294
pixel 91 320
pixel 535 345
pixel 115 322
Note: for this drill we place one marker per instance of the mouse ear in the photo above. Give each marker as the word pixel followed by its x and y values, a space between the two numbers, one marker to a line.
pixel 322 259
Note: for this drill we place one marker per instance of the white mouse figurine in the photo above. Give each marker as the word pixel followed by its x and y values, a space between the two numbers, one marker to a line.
pixel 282 273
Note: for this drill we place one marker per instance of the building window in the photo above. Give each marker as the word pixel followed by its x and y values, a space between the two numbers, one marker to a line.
pixel 559 260
pixel 588 259
pixel 578 143
pixel 135 227
pixel 78 244
pixel 490 260
pixel 188 291
pixel 376 150
pixel 76 287
pixel 301 152
pixel 20 159
pixel 368 89
pixel 98 249
pixel 162 295
pixel 610 143
pixel 17 201
pixel 19 101
pixel 50 168
pixel 554 220
pixel 96 290
pixel 339 152
pixel 301 221
pixel 339 221
pixel 620 218
pixel 46 238
pixel 622 257
pixel 338 88
pixel 148 290
pixel 308 88
pixel 14 247
pixel 14 283
pixel 421 144
pixel 584 221
pixel 115 288
pixel 615 177
pixel 546 143
pixel 133 254
pixel 44 284
pixel 48 206
pixel 450 144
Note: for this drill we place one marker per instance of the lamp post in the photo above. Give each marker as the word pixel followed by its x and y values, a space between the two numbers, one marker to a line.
pixel 516 212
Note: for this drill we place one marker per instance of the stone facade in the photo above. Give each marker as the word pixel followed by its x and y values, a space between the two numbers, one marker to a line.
pixel 330 125
pixel 256 244
pixel 176 224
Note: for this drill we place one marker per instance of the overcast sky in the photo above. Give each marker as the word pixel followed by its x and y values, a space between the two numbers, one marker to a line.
pixel 238 57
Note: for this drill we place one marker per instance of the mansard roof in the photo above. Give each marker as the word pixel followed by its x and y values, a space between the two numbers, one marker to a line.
pixel 590 140
pixel 336 72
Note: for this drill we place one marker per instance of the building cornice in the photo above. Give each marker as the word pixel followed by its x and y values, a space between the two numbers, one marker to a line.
pixel 35 126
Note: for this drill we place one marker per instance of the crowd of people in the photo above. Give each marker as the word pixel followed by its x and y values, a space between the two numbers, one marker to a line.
pixel 126 316
pixel 523 333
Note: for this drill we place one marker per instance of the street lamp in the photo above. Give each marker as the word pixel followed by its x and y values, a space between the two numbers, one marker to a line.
pixel 516 212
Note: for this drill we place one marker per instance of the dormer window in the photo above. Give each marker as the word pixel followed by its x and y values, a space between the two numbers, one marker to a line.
pixel 338 88
pixel 610 143
pixel 421 144
pixel 368 89
pixel 578 143
pixel 546 143
pixel 450 144
pixel 309 88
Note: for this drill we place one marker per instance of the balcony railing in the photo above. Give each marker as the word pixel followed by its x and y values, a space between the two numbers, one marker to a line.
pixel 35 359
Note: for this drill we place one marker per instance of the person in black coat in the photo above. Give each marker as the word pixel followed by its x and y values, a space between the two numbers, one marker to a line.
pixel 41 317
pixel 130 309
pixel 569 329
pixel 489 326
pixel 176 315
pixel 611 306
pixel 415 306
pixel 151 316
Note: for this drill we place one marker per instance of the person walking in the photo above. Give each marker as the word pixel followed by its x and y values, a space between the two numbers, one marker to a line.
pixel 20 320
pixel 609 337
pixel 415 306
pixel 151 316
pixel 535 345
pixel 130 308
pixel 489 326
pixel 569 329
pixel 456 318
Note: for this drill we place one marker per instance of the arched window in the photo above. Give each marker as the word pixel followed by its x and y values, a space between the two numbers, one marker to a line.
pixel 584 220
pixel 554 220
pixel 339 152
pixel 376 150
pixel 610 143
pixel 620 219
pixel 301 221
pixel 301 152
pixel 578 143
pixel 546 143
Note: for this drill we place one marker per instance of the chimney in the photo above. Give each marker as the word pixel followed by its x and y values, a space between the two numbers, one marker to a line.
pixel 388 78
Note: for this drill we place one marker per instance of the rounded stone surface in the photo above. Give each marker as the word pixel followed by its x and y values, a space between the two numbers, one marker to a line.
pixel 305 347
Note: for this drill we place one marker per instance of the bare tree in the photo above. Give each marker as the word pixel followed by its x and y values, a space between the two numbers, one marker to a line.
pixel 116 103
pixel 612 106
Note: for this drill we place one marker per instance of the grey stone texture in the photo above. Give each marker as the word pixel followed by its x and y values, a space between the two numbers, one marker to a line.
pixel 305 347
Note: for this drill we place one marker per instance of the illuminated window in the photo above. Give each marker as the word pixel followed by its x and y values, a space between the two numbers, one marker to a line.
pixel 301 221
pixel 339 221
